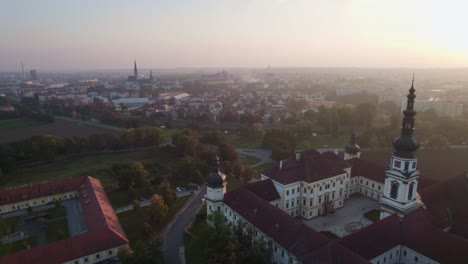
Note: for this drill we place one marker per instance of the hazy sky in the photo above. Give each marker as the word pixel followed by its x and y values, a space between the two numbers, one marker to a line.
pixel 104 34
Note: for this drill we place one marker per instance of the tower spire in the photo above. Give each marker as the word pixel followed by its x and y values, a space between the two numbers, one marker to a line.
pixel 135 70
pixel 406 144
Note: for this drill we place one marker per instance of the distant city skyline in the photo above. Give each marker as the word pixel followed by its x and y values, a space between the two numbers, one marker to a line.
pixel 78 35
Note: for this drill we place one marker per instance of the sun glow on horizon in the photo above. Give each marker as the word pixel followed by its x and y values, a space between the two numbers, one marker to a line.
pixel 244 33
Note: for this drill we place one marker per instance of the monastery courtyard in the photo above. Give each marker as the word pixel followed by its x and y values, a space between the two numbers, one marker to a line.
pixel 346 219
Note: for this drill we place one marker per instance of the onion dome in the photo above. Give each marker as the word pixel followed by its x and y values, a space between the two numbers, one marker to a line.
pixel 353 147
pixel 216 178
pixel 406 145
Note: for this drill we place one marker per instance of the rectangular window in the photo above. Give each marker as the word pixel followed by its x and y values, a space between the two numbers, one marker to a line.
pixel 378 188
pixel 97 256
pixel 292 203
pixel 110 252
pixel 372 185
pixel 292 191
pixel 297 189
pixel 287 192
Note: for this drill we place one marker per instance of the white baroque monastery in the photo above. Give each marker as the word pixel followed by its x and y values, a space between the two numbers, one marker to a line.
pixel 415 226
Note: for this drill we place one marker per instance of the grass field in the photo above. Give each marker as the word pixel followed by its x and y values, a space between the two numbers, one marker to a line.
pixel 250 160
pixel 7 224
pixel 133 221
pixel 435 165
pixel 322 141
pixel 18 123
pixel 17 246
pixel 373 215
pixel 98 166
pixel 57 230
pixel 238 142
pixel 16 130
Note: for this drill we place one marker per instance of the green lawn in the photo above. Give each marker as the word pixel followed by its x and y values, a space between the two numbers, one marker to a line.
pixel 98 166
pixel 373 215
pixel 233 183
pixel 250 160
pixel 57 230
pixel 7 223
pixel 54 212
pixel 264 166
pixel 119 198
pixel 238 142
pixel 322 141
pixel 133 221
pixel 17 246
pixel 18 123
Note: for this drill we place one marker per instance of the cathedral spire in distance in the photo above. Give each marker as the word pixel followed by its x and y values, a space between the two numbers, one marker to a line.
pixel 135 70
pixel 406 145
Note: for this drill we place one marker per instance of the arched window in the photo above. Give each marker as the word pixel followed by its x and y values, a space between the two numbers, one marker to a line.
pixel 411 190
pixel 394 190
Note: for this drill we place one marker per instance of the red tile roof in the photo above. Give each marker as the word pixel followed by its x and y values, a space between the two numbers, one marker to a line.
pixel 300 240
pixel 448 196
pixel 287 231
pixel 104 230
pixel 368 169
pixel 415 231
pixel 264 189
pixel 312 166
pixel 27 192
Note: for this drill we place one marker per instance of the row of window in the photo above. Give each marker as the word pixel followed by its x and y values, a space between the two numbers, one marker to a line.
pixel 327 186
pixel 98 256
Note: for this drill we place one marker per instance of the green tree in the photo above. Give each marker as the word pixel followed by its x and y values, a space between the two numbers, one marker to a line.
pixel 167 192
pixel 227 152
pixel 158 209
pixel 213 137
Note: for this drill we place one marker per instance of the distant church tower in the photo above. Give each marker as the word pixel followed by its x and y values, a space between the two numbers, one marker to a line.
pixel 352 150
pixel 216 189
pixel 135 71
pixel 401 180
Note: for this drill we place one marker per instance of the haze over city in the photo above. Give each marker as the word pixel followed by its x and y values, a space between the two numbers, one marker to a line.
pixel 77 35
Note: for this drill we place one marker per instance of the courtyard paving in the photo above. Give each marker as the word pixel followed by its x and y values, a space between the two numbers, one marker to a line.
pixel 75 217
pixel 351 215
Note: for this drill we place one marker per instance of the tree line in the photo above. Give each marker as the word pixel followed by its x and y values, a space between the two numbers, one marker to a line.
pixel 48 147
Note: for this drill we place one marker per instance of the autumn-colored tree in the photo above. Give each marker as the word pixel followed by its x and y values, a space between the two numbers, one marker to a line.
pixel 158 209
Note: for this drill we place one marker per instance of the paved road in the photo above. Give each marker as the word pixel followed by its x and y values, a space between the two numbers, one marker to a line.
pixel 174 234
pixel 262 154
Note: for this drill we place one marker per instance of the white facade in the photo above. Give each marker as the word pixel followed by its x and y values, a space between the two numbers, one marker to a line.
pixel 313 199
pixel 281 255
pixel 37 201
pixel 401 183
pixel 402 254
pixel 96 257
